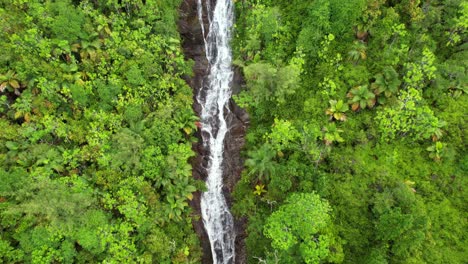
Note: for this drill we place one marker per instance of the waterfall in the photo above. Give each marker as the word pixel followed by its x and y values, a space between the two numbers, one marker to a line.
pixel 213 97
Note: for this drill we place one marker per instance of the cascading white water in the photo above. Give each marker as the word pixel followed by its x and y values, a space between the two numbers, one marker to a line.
pixel 213 98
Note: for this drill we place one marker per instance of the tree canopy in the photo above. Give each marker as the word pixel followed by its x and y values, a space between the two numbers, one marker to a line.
pixel 96 135
pixel 371 126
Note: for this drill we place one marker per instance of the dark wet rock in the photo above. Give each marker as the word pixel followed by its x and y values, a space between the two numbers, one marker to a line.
pixel 193 45
pixel 238 81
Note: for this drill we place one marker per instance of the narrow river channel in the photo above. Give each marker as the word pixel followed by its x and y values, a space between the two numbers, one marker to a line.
pixel 214 97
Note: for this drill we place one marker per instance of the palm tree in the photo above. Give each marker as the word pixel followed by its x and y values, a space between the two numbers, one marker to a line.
pixel 437 131
pixel 88 49
pixel 337 110
pixel 358 51
pixel 436 151
pixel 9 81
pixel 386 83
pixel 260 162
pixel 71 73
pixel 187 121
pixel 332 134
pixel 361 97
pixel 362 32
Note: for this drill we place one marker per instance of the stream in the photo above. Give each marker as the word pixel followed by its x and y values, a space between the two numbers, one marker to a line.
pixel 214 97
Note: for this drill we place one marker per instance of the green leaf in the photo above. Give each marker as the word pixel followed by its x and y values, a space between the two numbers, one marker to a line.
pixel 11 145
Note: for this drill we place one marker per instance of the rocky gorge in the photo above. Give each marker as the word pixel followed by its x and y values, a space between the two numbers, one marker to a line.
pixel 237 121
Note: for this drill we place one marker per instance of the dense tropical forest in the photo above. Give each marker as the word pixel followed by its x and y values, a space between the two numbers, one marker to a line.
pixel 355 153
pixel 96 124
pixel 357 147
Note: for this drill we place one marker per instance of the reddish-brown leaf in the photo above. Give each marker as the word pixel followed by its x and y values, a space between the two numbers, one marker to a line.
pixel 355 106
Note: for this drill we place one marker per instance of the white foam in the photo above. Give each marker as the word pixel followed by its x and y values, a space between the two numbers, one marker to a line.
pixel 213 98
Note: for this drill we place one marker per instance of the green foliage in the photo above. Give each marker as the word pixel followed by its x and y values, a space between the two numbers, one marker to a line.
pixel 283 135
pixel 96 129
pixel 436 151
pixel 418 74
pixel 402 222
pixel 96 125
pixel 357 52
pixel 261 77
pixel 267 83
pixel 396 190
pixel 303 225
pixel 386 83
pixel 332 134
pixel 461 24
pixel 411 116
pixel 337 110
pixel 9 81
pixel 259 189
pixel 65 21
pixel 361 97
pixel 261 162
